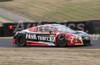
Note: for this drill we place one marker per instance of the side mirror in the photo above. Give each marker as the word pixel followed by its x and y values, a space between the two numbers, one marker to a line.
pixel 50 31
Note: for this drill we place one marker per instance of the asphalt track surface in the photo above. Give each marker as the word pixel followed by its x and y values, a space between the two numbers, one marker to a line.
pixel 8 43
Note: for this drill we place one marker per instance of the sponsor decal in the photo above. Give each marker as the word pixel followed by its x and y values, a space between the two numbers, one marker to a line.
pixel 40 38
pixel 31 36
pixel 52 35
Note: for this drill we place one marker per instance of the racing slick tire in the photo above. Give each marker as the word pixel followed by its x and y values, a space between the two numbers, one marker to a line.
pixel 61 40
pixel 20 40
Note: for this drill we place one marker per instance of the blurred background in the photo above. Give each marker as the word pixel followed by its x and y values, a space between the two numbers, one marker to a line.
pixel 72 13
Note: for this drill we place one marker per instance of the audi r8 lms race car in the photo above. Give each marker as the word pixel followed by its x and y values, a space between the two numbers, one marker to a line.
pixel 51 35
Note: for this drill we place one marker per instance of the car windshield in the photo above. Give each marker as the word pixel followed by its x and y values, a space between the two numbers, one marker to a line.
pixel 63 28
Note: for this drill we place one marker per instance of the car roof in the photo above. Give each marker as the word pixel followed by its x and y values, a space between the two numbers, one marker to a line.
pixel 51 25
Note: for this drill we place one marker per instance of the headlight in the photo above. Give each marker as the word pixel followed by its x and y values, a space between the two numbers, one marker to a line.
pixel 87 38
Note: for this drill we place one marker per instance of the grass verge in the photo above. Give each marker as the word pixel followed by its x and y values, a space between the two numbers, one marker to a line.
pixel 46 56
pixel 56 10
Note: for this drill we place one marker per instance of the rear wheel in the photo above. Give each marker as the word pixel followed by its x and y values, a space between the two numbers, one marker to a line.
pixel 61 40
pixel 20 40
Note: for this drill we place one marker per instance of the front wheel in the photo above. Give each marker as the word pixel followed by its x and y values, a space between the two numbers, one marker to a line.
pixel 20 40
pixel 61 40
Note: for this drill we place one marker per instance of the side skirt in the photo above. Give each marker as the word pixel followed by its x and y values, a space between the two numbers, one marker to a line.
pixel 40 43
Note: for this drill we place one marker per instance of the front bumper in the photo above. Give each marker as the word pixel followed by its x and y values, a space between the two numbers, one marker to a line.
pixel 86 40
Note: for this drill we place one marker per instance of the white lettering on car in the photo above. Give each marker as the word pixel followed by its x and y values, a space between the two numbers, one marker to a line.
pixel 40 38
pixel 29 36
pixel 52 39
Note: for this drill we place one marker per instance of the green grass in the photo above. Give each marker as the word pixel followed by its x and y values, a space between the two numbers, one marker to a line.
pixel 56 10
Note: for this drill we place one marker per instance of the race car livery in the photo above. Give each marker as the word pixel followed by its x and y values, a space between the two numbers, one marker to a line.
pixel 51 35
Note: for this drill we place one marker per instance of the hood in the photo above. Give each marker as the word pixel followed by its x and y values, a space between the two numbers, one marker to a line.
pixel 81 33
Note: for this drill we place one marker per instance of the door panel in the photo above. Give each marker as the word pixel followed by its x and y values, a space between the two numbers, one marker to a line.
pixel 45 37
pixel 42 35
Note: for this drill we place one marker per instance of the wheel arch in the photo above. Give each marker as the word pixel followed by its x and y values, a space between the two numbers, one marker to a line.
pixel 57 37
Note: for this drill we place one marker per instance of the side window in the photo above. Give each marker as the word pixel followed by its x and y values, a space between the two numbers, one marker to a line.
pixel 41 29
pixel 45 29
pixel 49 29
